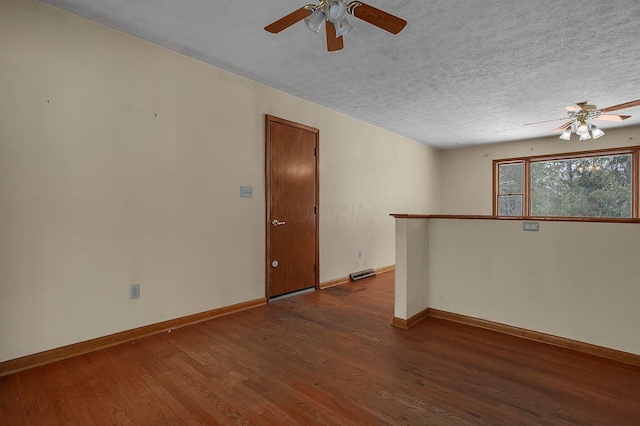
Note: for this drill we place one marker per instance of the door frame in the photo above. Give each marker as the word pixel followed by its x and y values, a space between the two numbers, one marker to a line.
pixel 269 119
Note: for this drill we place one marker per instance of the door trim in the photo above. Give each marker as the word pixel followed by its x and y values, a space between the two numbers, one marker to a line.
pixel 269 119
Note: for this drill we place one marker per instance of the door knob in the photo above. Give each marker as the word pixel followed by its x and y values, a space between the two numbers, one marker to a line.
pixel 276 223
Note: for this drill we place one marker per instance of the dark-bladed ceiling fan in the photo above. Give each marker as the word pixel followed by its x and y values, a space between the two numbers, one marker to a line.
pixel 581 115
pixel 334 13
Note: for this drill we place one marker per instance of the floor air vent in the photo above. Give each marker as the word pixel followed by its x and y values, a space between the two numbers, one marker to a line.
pixel 355 276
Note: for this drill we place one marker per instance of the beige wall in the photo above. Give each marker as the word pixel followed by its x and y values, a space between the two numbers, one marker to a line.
pixel 467 173
pixel 412 268
pixel 120 163
pixel 573 280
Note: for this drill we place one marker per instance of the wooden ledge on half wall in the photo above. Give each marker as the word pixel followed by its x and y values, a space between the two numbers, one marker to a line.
pixel 527 218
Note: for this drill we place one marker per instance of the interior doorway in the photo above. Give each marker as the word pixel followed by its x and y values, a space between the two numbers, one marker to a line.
pixel 292 189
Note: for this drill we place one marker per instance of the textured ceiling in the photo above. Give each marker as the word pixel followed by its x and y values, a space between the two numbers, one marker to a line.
pixel 460 73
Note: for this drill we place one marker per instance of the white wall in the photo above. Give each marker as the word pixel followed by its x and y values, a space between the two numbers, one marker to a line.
pixel 120 163
pixel 467 173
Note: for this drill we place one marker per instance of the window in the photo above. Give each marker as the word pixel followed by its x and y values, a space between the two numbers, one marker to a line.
pixel 589 184
pixel 511 189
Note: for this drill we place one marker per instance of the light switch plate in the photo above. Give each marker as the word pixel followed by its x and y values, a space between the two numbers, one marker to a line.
pixel 246 192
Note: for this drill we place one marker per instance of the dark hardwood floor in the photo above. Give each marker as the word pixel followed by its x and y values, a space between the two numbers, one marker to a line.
pixel 328 357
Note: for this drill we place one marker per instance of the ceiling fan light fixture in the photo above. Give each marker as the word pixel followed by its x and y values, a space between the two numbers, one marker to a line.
pixel 581 116
pixel 596 132
pixel 566 135
pixel 582 129
pixel 343 27
pixel 315 20
pixel 336 11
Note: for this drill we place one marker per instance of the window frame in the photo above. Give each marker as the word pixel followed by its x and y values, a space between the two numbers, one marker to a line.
pixel 496 185
pixel 634 151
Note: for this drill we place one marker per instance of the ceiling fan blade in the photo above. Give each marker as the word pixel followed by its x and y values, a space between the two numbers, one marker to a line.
pixel 287 21
pixel 563 127
pixel 586 107
pixel 377 17
pixel 333 43
pixel 545 121
pixel 612 117
pixel 572 108
pixel 621 106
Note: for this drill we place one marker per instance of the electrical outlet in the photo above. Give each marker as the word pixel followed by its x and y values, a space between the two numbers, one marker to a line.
pixel 134 291
pixel 359 254
pixel 530 226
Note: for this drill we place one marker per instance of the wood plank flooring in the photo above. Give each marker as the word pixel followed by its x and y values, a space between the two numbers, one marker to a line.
pixel 328 357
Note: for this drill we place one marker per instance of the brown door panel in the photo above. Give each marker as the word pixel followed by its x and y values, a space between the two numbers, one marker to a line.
pixel 292 200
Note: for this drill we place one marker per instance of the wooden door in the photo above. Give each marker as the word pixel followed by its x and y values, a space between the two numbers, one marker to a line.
pixel 292 207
